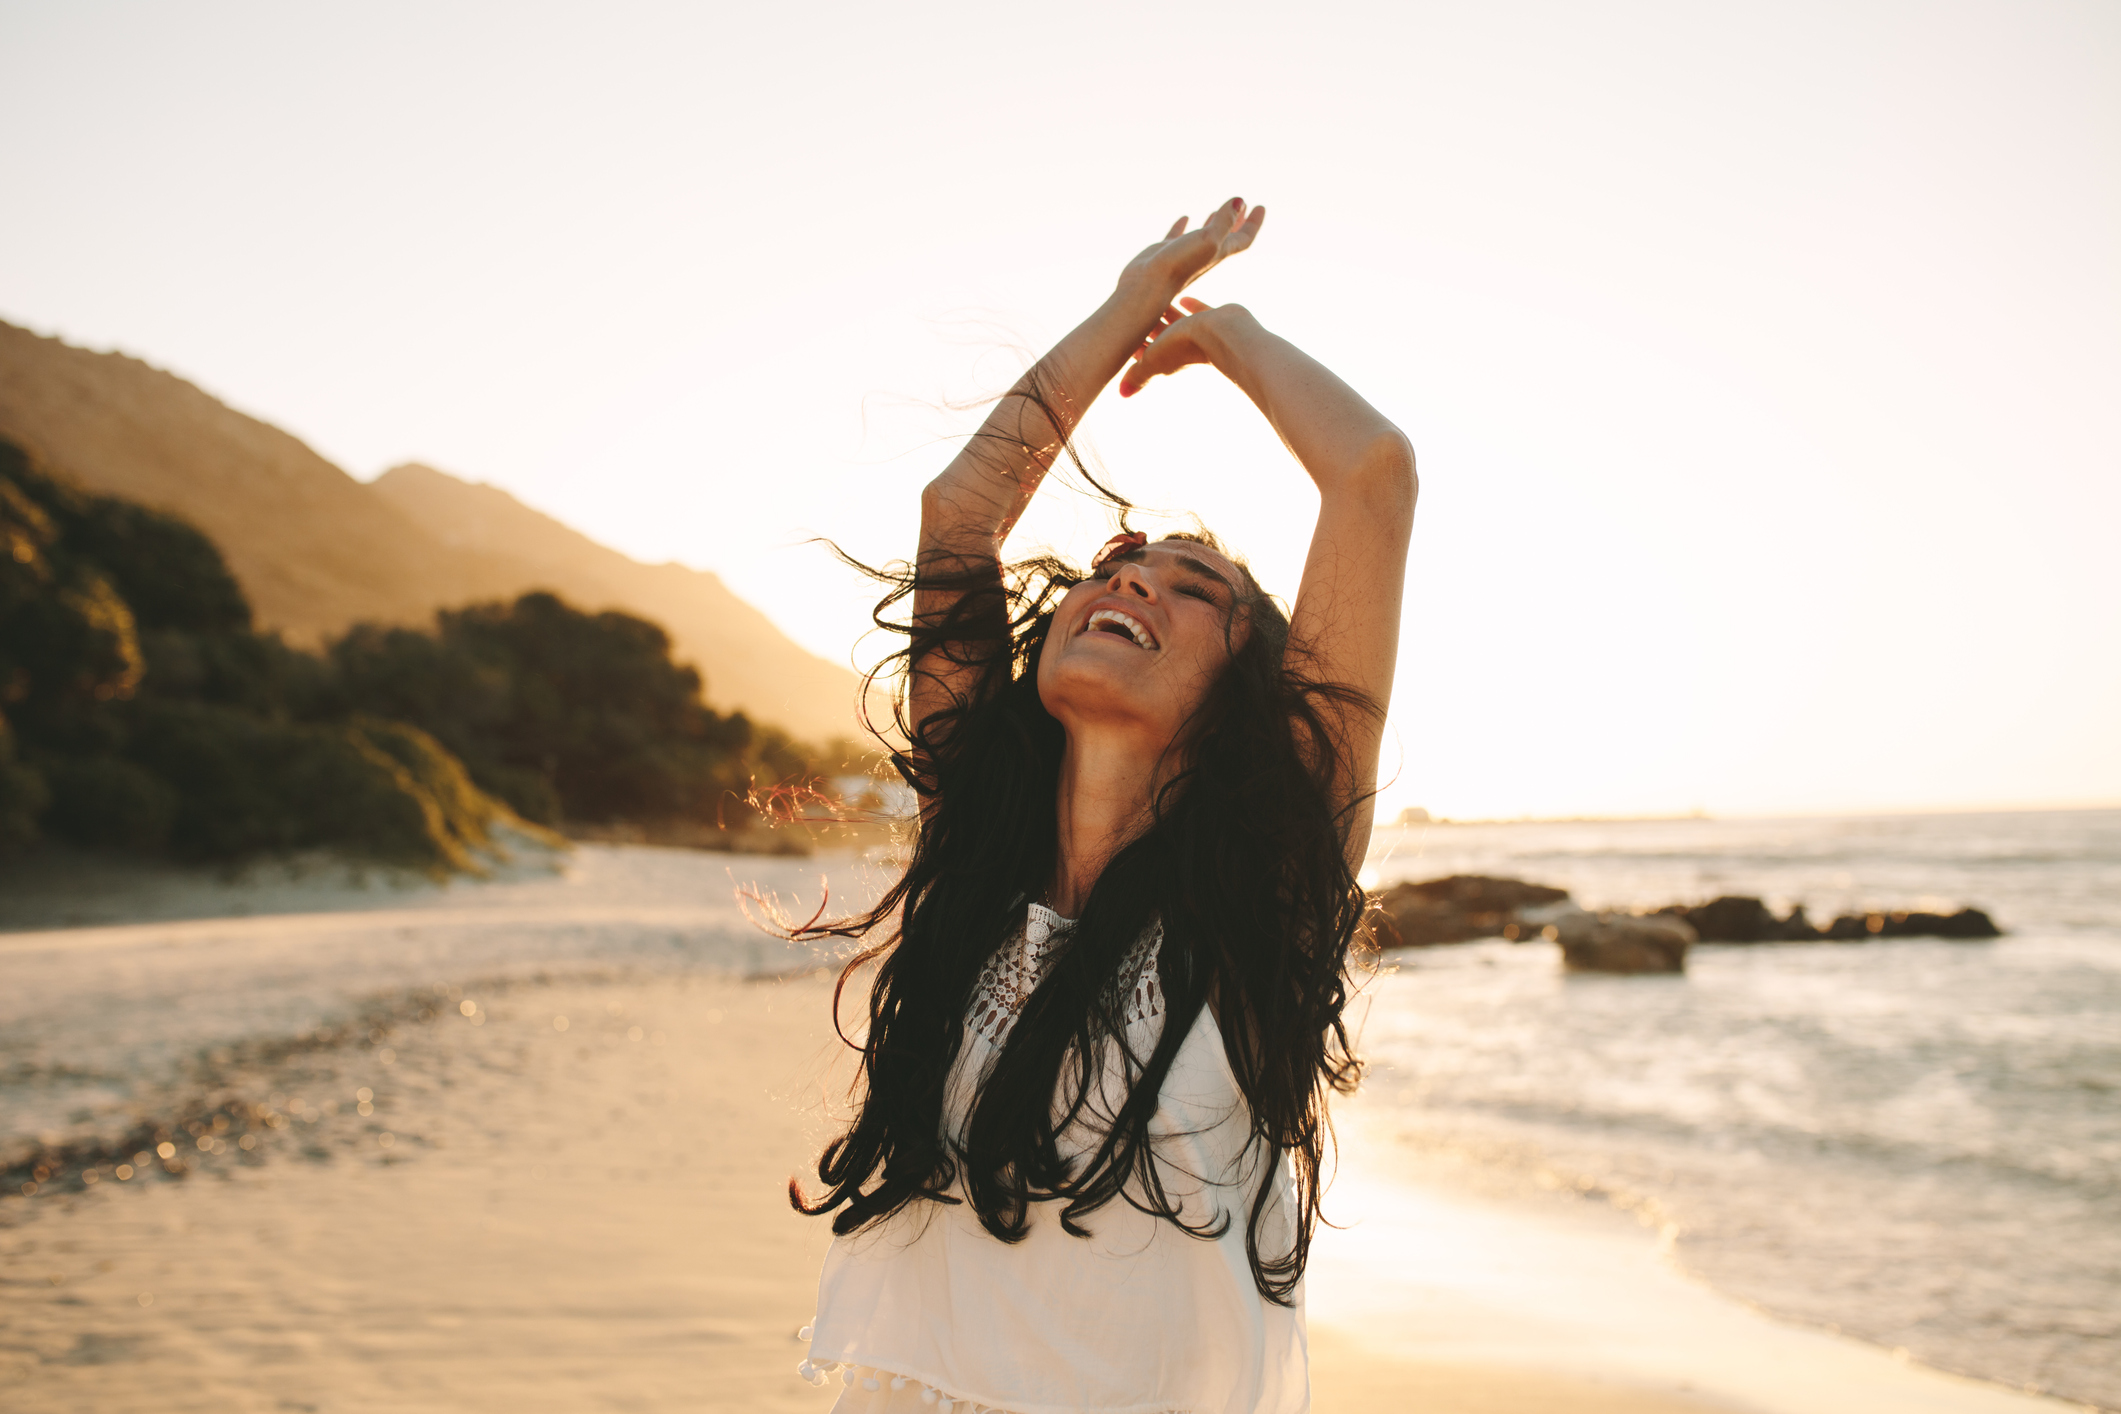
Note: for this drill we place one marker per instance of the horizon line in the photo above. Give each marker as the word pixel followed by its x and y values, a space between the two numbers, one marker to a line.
pixel 1842 813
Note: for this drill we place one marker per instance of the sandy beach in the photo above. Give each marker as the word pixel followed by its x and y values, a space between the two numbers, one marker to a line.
pixel 522 1145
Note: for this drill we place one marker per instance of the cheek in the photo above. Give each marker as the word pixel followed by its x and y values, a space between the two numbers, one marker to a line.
pixel 1207 658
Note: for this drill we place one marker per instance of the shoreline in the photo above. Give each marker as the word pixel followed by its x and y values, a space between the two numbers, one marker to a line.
pixel 1429 1274
pixel 534 1255
pixel 575 1192
pixel 513 1228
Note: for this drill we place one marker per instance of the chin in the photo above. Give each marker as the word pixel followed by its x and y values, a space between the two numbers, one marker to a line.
pixel 1086 682
pixel 1091 695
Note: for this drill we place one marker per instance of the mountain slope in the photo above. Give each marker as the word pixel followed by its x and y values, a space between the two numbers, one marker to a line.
pixel 314 548
pixel 745 658
pixel 317 550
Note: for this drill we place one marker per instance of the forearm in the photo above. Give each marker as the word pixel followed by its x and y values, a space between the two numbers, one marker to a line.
pixel 1344 626
pixel 1343 443
pixel 972 505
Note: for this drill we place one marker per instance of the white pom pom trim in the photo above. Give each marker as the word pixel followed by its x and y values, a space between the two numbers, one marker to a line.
pixel 873 1377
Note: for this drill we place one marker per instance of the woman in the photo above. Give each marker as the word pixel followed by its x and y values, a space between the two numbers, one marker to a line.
pixel 1084 1172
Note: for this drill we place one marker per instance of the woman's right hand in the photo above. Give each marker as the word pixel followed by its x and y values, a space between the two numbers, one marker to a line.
pixel 1183 256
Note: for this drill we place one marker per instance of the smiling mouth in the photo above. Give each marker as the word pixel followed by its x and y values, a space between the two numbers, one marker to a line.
pixel 1120 625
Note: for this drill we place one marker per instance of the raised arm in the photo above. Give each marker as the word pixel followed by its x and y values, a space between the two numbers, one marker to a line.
pixel 1346 619
pixel 969 510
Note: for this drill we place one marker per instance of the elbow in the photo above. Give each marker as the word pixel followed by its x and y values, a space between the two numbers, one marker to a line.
pixel 950 527
pixel 943 512
pixel 935 499
pixel 1387 475
pixel 1393 455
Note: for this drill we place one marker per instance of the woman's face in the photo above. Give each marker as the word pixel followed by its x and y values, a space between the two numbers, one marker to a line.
pixel 1137 646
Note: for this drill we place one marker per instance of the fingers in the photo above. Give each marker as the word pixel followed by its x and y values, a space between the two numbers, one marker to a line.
pixel 1151 362
pixel 1185 257
pixel 1223 218
pixel 1246 232
pixel 1171 315
pixel 1131 377
pixel 1137 372
pixel 1163 351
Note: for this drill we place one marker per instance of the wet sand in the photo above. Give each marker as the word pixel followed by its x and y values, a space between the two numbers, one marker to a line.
pixel 567 1193
pixel 564 1220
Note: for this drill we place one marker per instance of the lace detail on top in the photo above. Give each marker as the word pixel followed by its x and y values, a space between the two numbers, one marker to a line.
pixel 1013 973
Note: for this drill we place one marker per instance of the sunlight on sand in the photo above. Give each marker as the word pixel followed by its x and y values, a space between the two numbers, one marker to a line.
pixel 550 1175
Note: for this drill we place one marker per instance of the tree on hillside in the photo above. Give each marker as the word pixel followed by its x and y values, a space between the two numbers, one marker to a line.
pixel 142 711
pixel 566 715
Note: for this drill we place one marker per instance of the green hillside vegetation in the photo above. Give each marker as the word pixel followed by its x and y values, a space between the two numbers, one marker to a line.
pixel 317 552
pixel 567 716
pixel 142 710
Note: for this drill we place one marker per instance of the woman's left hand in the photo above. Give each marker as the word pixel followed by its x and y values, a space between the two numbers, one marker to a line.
pixel 1167 266
pixel 1182 337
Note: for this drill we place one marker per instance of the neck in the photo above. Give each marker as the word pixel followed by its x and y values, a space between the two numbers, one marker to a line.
pixel 1108 786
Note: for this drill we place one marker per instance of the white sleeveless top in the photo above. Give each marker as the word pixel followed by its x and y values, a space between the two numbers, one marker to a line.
pixel 927 1311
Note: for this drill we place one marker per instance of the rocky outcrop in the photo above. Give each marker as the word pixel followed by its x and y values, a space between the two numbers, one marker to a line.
pixel 1456 910
pixel 1628 943
pixel 1733 919
pixel 1464 907
pixel 1736 919
pixel 1968 924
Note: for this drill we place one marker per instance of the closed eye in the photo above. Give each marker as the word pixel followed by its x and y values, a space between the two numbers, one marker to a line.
pixel 1204 595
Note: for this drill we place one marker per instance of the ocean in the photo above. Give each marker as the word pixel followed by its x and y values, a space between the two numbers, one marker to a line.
pixel 1915 1142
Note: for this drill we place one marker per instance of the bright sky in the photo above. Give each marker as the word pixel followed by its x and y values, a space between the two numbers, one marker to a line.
pixel 1763 361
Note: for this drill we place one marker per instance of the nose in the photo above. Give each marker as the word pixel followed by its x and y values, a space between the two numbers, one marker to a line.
pixel 1129 579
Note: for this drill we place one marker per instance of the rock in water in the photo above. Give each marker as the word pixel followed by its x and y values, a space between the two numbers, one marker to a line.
pixel 1618 942
pixel 1558 922
pixel 1798 929
pixel 1455 910
pixel 1734 920
pixel 1463 907
pixel 1965 925
pixel 1969 923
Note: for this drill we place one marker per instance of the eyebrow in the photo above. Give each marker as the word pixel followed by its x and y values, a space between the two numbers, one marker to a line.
pixel 1199 567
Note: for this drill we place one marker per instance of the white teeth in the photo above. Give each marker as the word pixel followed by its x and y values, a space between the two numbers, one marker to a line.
pixel 1134 627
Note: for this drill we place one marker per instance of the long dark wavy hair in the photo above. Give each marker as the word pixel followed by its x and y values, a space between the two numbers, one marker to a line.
pixel 1243 863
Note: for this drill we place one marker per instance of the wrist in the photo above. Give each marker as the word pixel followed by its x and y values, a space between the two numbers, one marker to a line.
pixel 1225 330
pixel 1140 296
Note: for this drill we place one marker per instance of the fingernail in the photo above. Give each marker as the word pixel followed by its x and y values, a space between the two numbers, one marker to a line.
pixel 1237 203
